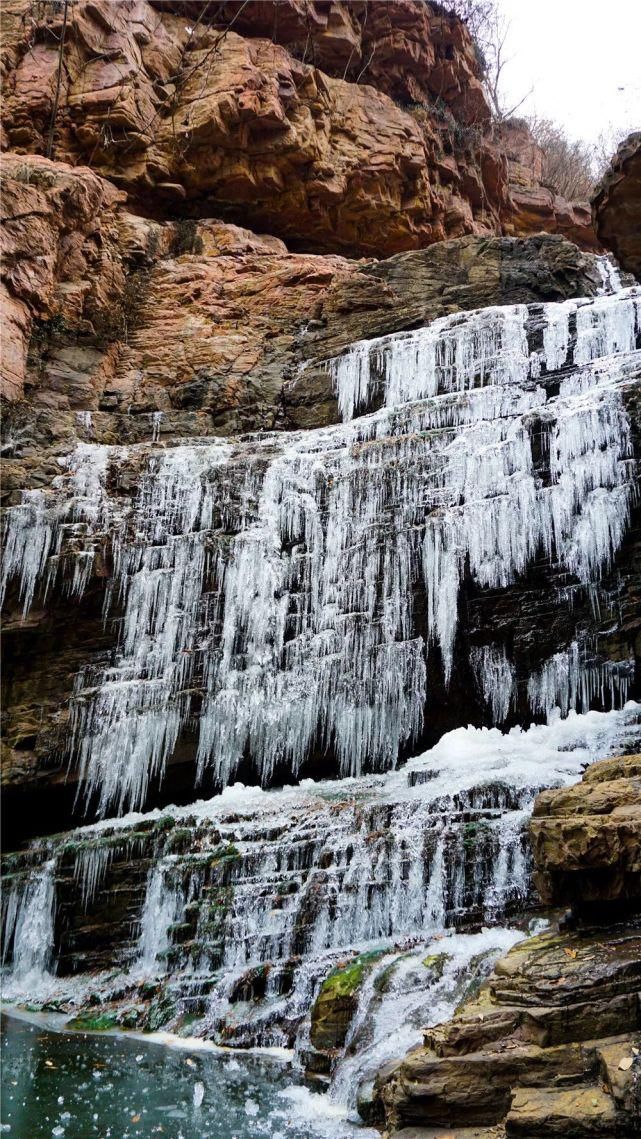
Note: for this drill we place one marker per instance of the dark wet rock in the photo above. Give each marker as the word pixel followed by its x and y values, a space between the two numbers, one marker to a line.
pixel 616 205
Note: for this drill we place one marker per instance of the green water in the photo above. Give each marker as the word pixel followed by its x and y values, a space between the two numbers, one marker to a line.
pixel 83 1086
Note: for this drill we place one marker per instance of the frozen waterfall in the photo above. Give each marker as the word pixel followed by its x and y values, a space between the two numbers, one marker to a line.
pixel 267 585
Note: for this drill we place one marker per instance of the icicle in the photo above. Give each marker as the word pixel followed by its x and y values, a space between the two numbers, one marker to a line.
pixel 496 677
pixel 156 423
pixel 276 576
pixel 566 682
pixel 609 273
pixel 90 868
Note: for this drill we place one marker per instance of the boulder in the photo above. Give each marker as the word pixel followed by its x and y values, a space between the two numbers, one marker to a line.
pixel 616 205
pixel 587 838
pixel 539 1043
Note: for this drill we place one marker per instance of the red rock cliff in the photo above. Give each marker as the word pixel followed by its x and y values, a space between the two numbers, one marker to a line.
pixel 258 117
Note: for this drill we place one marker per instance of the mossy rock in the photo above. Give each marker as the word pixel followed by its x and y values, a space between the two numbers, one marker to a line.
pixel 337 1002
pixel 165 823
pixel 436 963
pixel 179 840
pixel 102 1022
pixel 381 984
pixel 161 1011
pixel 131 1017
pixel 472 832
pixel 345 981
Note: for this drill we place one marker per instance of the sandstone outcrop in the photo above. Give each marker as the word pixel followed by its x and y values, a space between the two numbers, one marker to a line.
pixel 534 206
pixel 616 205
pixel 587 838
pixel 412 51
pixel 59 253
pixel 207 322
pixel 552 1043
pixel 187 115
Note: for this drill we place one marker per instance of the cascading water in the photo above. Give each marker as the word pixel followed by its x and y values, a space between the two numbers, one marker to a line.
pixel 287 593
pixel 160 910
pixel 28 929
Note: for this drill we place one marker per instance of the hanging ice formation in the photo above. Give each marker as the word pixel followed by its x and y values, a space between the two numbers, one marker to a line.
pixel 565 681
pixel 275 576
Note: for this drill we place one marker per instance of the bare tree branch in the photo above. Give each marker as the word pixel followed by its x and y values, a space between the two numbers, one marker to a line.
pixel 56 100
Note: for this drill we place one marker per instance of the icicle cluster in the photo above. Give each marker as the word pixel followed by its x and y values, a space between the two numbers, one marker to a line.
pixel 468 350
pixel 568 682
pixel 276 576
pixel 496 677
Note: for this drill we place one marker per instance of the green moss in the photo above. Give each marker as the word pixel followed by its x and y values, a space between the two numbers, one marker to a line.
pixel 227 852
pixel 345 981
pixel 472 832
pixel 381 983
pixel 179 839
pixel 161 1011
pixel 87 1023
pixel 436 963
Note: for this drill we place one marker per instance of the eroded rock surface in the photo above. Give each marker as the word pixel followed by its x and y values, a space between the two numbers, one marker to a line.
pixel 412 51
pixel 186 115
pixel 536 1047
pixel 552 1043
pixel 587 838
pixel 206 322
pixel 616 205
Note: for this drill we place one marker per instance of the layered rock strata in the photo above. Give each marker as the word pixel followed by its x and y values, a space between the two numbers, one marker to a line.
pixel 115 314
pixel 190 115
pixel 552 1043
pixel 587 839
pixel 559 391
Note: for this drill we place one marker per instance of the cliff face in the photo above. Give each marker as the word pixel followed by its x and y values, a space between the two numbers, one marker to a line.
pixel 114 312
pixel 161 115
pixel 320 443
pixel 233 337
pixel 616 205
pixel 190 116
pixel 139 303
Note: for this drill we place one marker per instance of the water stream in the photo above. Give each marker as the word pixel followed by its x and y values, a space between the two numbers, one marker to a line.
pixel 287 594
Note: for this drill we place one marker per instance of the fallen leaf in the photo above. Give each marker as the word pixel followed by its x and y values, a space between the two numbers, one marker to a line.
pixel 626 1063
pixel 569 952
pixel 135 1119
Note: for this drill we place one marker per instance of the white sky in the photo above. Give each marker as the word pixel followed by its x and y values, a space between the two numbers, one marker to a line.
pixel 583 59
